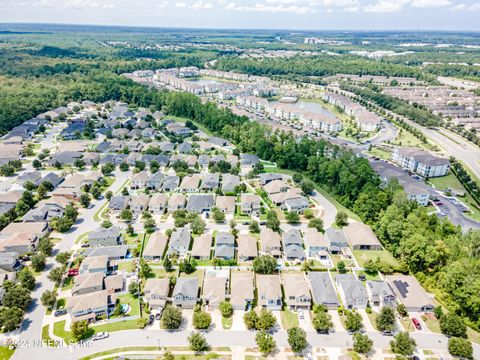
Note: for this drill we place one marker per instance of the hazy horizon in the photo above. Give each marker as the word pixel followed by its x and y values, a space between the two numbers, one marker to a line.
pixel 312 15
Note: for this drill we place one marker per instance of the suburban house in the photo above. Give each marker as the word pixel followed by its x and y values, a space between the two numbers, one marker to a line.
pixel 105 237
pixel 158 203
pixel 250 204
pixel 352 292
pixel 225 246
pixel 265 178
pixel 170 183
pixel 323 291
pixel 380 293
pixel 139 203
pixel 200 203
pixel 179 242
pixel 248 161
pixel 210 182
pixel 225 203
pixel 242 290
pixel 293 245
pixel 336 240
pixel 92 282
pixel 247 247
pixel 156 293
pixel 90 306
pixel 270 242
pixel 269 291
pixel 155 247
pixel 316 243
pixel 116 252
pixel 118 203
pixel 185 292
pixel 297 292
pixel 190 183
pixel 9 261
pixel 410 293
pixel 214 288
pixel 94 264
pixel 176 202
pixel 229 182
pixel 202 246
pixel 155 181
pixel 361 237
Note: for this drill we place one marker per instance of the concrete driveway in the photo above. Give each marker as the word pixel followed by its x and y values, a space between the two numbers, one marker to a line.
pixel 216 320
pixel 367 324
pixel 238 323
pixel 306 322
pixel 337 323
pixel 187 321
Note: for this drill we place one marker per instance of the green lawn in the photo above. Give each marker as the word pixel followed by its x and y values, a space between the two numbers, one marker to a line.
pixel 227 322
pixel 363 256
pixel 133 239
pixel 82 238
pixel 133 302
pixel 407 324
pixel 101 212
pixel 128 266
pixel 6 353
pixel 289 319
pixel 406 138
pixel 117 326
pixel 379 152
pixel 59 330
pixel 68 283
pixel 432 323
pixel 46 337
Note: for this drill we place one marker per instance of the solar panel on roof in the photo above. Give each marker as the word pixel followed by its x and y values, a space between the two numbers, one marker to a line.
pixel 402 287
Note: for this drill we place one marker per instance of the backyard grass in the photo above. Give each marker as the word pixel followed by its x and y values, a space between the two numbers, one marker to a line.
pixel 128 266
pixel 6 353
pixel 132 302
pixel 133 239
pixel 385 256
pixel 289 319
pixel 227 322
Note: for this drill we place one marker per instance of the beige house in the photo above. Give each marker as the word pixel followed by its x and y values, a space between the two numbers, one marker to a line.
pixel 270 241
pixel 226 204
pixel 89 306
pixel 297 292
pixel 156 292
pixel 247 247
pixel 214 289
pixel 269 291
pixel 242 290
pixel 158 203
pixel 361 237
pixel 155 247
pixel 190 183
pixel 250 203
pixel 202 246
pixel 176 202
pixel 92 282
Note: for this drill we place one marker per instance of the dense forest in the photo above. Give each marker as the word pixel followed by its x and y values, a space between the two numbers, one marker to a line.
pixel 322 65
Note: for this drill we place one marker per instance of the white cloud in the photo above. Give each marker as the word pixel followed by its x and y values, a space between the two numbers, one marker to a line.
pixel 180 5
pixel 430 3
pixel 163 4
pixel 279 8
pixel 385 6
pixel 75 4
pixel 465 7
pixel 202 5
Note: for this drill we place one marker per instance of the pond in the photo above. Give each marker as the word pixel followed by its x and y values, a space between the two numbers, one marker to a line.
pixel 308 106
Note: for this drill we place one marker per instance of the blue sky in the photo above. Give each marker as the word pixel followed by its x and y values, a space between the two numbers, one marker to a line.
pixel 269 14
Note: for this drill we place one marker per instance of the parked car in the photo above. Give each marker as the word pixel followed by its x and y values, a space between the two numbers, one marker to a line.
pixel 417 324
pixel 157 316
pixel 387 333
pixel 100 336
pixel 300 314
pixel 151 319
pixel 72 272
pixel 60 312
pixel 85 245
pixel 309 356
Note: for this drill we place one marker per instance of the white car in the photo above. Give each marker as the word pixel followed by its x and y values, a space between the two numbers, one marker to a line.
pixel 309 356
pixel 300 314
pixel 100 336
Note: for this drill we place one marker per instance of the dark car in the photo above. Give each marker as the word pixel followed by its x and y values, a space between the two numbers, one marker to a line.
pixel 60 312
pixel 157 316
pixel 151 319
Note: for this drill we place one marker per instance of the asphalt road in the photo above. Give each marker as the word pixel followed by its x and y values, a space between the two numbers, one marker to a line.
pixel 215 338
